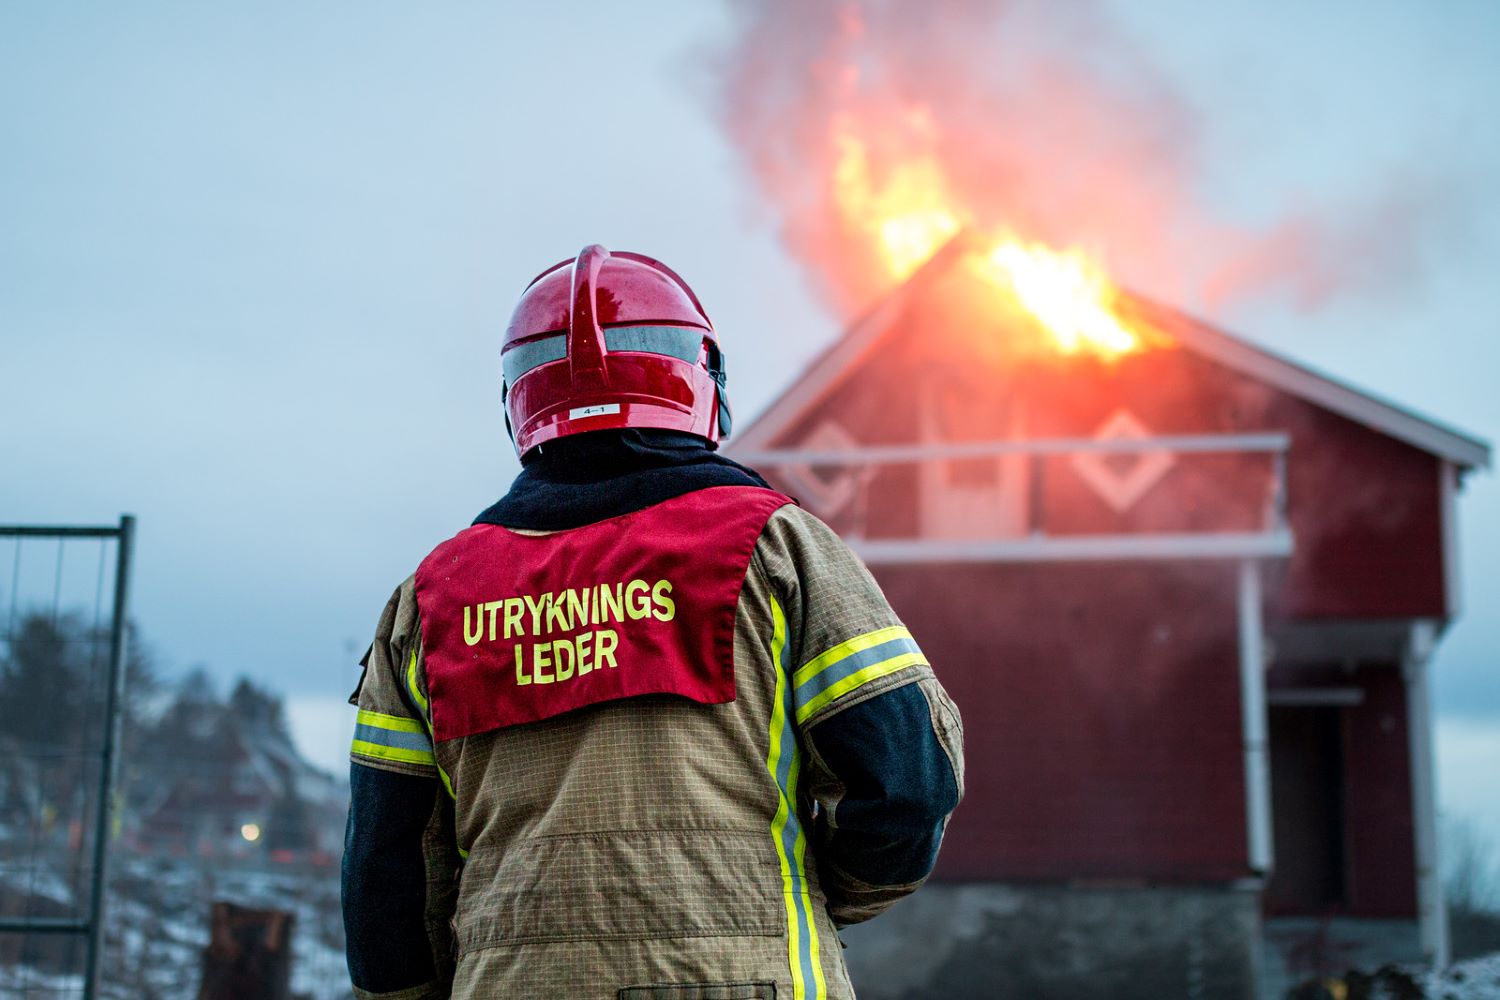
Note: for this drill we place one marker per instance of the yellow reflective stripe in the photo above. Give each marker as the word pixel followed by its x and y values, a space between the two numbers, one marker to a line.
pixel 411 684
pixel 846 649
pixel 393 723
pixel 784 764
pixel 416 694
pixel 873 672
pixel 376 750
pixel 820 987
pixel 783 806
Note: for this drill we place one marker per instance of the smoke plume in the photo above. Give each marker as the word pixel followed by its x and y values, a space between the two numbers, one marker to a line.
pixel 1042 120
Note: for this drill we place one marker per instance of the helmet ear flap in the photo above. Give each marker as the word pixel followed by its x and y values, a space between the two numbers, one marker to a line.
pixel 726 419
pixel 504 395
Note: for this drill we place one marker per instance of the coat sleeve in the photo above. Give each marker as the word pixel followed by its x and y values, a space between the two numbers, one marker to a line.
pixel 882 739
pixel 392 877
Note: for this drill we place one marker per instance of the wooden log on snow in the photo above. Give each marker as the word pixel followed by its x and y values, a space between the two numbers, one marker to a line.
pixel 249 955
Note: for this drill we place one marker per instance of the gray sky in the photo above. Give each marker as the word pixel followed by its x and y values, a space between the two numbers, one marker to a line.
pixel 255 261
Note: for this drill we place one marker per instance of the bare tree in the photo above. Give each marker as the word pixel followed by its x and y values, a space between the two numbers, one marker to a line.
pixel 1472 883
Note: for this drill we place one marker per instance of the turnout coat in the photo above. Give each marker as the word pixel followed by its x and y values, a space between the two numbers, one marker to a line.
pixel 668 754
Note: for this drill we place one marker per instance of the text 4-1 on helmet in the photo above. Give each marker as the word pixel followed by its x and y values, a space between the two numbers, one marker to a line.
pixel 611 340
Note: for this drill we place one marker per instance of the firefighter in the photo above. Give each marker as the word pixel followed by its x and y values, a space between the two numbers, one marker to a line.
pixel 646 728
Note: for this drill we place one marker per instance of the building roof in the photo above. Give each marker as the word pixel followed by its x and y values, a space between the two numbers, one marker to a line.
pixel 1236 353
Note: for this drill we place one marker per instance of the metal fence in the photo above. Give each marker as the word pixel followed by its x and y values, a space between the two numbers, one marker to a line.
pixel 62 664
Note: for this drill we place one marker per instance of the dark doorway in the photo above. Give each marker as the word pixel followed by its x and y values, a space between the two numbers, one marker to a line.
pixel 1307 811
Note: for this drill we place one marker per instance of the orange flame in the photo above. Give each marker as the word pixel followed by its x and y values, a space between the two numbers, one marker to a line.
pixel 1069 295
pixel 909 214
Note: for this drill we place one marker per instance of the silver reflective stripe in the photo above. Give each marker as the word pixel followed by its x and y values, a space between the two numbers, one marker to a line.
pixel 681 342
pixel 391 738
pixel 523 357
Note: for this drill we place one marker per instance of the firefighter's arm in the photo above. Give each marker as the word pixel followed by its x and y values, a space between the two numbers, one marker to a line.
pixel 385 885
pixel 887 774
pixel 395 799
pixel 883 742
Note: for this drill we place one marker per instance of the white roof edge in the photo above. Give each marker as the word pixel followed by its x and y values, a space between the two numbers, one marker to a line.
pixel 1315 387
pixel 1292 377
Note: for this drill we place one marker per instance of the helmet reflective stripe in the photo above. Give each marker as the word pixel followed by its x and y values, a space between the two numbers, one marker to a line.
pixel 681 342
pixel 523 357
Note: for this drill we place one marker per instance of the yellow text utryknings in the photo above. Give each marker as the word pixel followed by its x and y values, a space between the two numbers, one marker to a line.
pixel 544 660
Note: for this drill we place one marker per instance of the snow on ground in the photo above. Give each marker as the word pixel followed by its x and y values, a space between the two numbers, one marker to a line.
pixel 162 915
pixel 1476 979
pixel 159 921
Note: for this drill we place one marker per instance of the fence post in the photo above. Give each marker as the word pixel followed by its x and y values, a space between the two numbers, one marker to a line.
pixel 114 698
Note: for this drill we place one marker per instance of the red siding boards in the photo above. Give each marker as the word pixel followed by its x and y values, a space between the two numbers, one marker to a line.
pixel 1102 718
pixel 1366 511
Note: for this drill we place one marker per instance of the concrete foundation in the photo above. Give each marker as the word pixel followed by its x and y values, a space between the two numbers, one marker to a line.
pixel 990 940
pixel 1301 948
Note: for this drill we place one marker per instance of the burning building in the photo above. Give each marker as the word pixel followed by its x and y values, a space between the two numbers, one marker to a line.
pixel 1185 592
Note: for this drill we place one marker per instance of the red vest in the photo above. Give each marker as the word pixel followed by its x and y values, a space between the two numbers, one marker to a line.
pixel 518 628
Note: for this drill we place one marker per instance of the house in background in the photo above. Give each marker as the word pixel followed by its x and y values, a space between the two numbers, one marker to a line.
pixel 1186 598
pixel 254 798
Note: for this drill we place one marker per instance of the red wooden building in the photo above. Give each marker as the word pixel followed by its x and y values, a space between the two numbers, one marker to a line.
pixel 1185 599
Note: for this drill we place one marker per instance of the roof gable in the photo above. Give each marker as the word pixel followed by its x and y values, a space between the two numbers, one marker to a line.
pixel 1293 378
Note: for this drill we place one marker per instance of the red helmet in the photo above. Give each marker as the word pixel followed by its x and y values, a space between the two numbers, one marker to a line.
pixel 614 340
